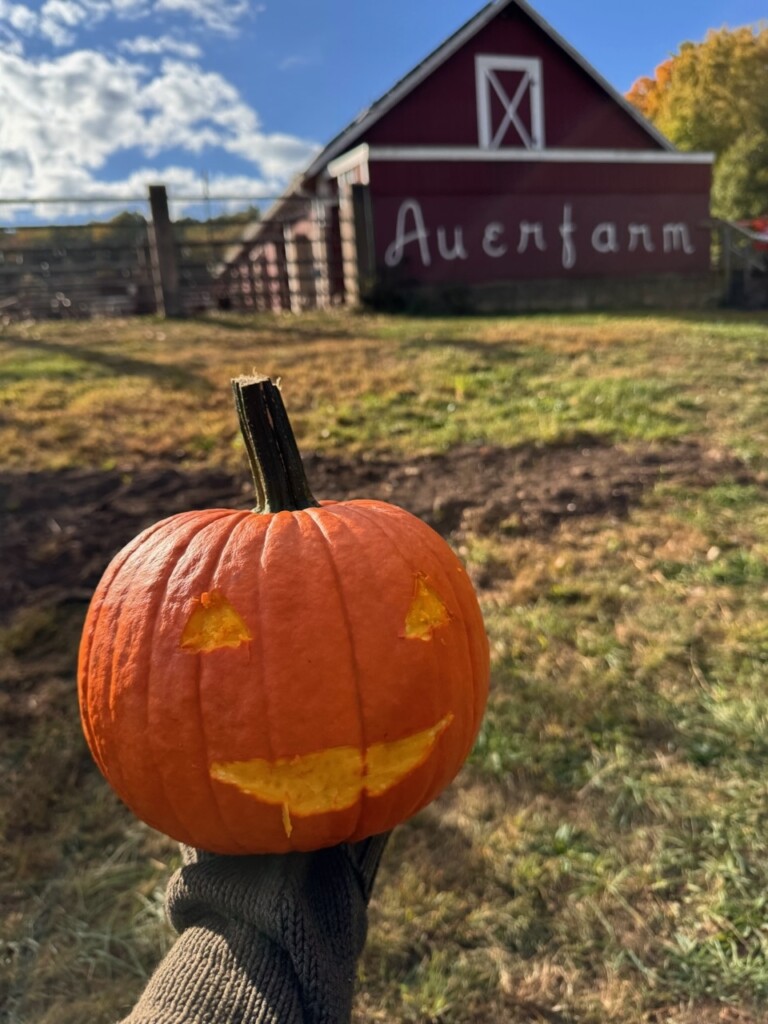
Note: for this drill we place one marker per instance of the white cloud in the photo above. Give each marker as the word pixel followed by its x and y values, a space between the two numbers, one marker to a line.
pixel 60 21
pixel 219 15
pixel 65 11
pixel 65 117
pixel 295 60
pixel 155 45
pixel 10 45
pixel 131 9
pixel 18 16
pixel 58 18
pixel 111 197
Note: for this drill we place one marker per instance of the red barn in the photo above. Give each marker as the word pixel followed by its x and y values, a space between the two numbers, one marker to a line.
pixel 501 172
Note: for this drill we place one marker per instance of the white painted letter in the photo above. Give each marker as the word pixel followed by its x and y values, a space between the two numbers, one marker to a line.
pixel 676 237
pixel 604 237
pixel 567 229
pixel 526 230
pixel 458 252
pixel 491 246
pixel 394 253
pixel 638 231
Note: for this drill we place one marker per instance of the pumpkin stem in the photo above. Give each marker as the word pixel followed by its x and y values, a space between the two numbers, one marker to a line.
pixel 278 472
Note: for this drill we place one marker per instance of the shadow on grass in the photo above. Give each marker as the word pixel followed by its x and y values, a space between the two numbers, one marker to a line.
pixel 116 365
pixel 290 328
pixel 747 317
pixel 491 352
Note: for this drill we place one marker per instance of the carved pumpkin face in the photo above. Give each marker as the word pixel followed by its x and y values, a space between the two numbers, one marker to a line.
pixel 261 683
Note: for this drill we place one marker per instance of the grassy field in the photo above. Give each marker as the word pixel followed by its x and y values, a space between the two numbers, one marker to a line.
pixel 603 857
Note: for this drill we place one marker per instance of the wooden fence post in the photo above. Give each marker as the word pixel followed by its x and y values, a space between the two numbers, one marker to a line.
pixel 292 267
pixel 358 261
pixel 163 250
pixel 364 248
pixel 320 255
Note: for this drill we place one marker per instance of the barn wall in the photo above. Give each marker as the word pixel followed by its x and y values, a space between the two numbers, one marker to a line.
pixel 536 177
pixel 476 223
pixel 662 291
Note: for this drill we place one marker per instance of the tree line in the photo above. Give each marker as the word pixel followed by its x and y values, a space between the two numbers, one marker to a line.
pixel 126 229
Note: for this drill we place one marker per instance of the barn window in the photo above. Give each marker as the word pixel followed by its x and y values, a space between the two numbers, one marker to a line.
pixel 510 111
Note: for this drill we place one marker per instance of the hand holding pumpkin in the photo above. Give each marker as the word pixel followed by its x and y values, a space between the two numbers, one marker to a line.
pixel 264 939
pixel 287 678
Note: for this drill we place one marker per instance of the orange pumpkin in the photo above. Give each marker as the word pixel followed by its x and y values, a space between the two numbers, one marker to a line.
pixel 286 678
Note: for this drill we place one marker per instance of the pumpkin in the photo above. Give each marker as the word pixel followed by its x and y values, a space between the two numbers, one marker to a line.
pixel 285 678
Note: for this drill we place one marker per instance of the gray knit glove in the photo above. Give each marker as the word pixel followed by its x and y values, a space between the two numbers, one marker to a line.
pixel 272 939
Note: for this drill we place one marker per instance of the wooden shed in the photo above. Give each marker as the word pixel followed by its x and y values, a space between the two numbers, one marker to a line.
pixel 500 173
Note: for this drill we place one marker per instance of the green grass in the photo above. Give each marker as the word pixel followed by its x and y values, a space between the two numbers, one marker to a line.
pixel 602 858
pixel 630 709
pixel 143 388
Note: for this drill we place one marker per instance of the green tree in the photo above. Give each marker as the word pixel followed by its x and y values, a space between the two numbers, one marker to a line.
pixel 740 186
pixel 712 96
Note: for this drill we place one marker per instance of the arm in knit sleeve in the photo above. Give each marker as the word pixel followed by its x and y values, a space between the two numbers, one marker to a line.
pixel 263 940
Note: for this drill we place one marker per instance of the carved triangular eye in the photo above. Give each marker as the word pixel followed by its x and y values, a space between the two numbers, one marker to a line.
pixel 426 613
pixel 213 624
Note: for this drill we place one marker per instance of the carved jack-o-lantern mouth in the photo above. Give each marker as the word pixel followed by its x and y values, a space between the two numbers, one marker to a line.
pixel 329 780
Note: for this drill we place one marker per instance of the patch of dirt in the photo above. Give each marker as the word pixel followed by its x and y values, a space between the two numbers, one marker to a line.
pixel 59 530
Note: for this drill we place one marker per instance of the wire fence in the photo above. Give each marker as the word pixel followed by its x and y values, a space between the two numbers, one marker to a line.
pixel 84 265
pixel 71 271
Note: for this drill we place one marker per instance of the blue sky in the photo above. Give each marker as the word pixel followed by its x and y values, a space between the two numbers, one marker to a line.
pixel 99 97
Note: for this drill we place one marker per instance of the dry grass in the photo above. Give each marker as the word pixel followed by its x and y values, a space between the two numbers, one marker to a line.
pixel 120 392
pixel 602 858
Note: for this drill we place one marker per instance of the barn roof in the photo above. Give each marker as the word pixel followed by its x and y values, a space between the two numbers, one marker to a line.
pixel 368 117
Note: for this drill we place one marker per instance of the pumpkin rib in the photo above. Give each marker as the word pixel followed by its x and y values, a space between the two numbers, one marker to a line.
pixel 469 611
pixel 258 642
pixel 93 618
pixel 271 562
pixel 211 571
pixel 159 593
pixel 274 527
pixel 248 552
pixel 315 517
pixel 259 646
pixel 106 695
pixel 177 829
pixel 368 514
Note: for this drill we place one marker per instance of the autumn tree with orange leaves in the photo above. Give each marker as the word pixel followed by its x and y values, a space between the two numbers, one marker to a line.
pixel 712 96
